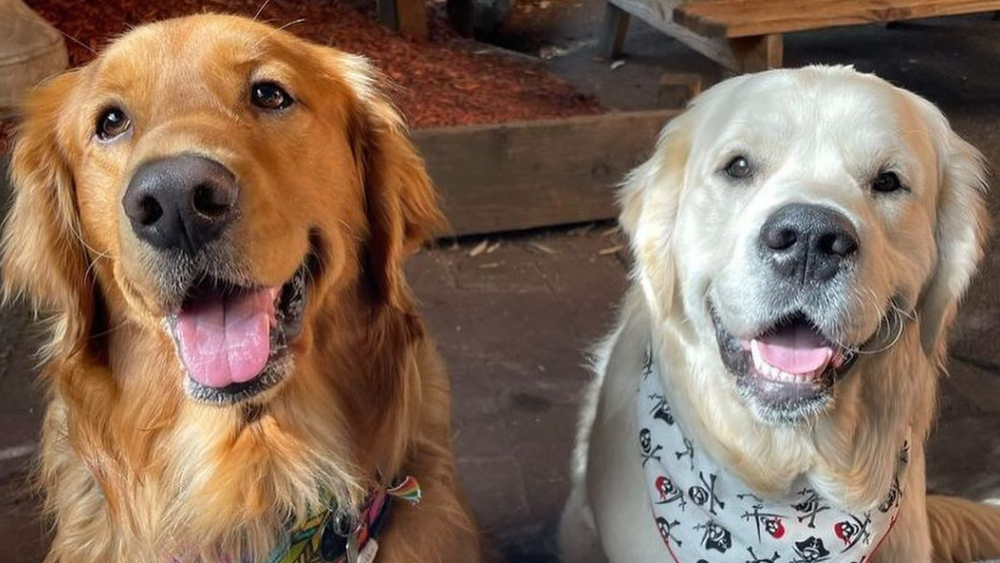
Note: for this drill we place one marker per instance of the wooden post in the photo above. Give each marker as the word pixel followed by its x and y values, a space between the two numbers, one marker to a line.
pixel 409 17
pixel 755 54
pixel 615 28
pixel 412 16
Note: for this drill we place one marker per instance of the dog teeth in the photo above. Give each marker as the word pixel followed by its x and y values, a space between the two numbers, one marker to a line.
pixel 774 374
pixel 758 361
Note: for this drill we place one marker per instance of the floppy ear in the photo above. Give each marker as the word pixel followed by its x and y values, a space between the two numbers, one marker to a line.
pixel 400 202
pixel 402 213
pixel 43 257
pixel 960 233
pixel 650 198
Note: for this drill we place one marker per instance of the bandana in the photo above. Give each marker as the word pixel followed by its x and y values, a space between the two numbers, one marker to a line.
pixel 706 515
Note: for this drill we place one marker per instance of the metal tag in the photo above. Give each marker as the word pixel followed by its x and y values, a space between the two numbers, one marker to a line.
pixel 352 545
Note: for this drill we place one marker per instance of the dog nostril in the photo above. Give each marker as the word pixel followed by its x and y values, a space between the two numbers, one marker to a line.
pixel 150 211
pixel 205 201
pixel 780 239
pixel 837 244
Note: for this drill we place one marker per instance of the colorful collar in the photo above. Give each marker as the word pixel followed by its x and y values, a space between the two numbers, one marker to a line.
pixel 704 513
pixel 328 537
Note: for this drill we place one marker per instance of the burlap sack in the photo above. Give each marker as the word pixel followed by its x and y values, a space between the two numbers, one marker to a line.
pixel 30 50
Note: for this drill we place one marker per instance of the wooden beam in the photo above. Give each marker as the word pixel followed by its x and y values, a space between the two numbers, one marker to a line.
pixel 524 175
pixel 749 18
pixel 615 27
pixel 658 14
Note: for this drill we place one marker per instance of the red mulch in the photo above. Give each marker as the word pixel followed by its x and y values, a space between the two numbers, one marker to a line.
pixel 447 80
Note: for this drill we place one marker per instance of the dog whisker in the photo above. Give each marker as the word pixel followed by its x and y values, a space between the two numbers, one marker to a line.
pixel 273 31
pixel 261 9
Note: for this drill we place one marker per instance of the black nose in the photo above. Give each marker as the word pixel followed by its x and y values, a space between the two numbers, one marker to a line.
pixel 808 242
pixel 181 202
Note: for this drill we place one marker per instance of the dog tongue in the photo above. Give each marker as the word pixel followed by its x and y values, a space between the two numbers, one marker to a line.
pixel 226 340
pixel 795 349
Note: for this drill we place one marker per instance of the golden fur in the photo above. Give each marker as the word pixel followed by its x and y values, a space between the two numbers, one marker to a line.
pixel 133 471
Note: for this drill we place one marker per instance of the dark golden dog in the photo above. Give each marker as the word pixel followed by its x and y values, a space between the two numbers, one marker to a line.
pixel 215 213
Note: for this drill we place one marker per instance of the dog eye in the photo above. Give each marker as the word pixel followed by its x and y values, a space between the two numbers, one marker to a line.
pixel 112 123
pixel 887 182
pixel 269 96
pixel 739 168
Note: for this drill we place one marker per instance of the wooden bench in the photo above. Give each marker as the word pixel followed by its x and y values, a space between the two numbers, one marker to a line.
pixel 745 35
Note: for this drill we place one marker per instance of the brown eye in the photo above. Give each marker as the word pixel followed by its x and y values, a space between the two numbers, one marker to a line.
pixel 738 168
pixel 269 96
pixel 887 182
pixel 112 123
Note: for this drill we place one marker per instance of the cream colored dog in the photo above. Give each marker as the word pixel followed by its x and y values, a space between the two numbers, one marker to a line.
pixel 802 238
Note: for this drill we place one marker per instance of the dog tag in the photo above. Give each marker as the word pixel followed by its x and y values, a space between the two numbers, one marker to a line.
pixel 352 547
pixel 367 554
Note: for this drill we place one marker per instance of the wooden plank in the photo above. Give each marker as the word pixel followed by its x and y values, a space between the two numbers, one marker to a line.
pixel 738 55
pixel 677 89
pixel 657 13
pixel 524 175
pixel 747 18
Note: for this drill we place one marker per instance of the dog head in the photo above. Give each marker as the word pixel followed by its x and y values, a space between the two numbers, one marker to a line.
pixel 219 183
pixel 801 219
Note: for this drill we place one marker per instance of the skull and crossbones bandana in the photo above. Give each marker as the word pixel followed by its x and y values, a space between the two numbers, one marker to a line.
pixel 706 515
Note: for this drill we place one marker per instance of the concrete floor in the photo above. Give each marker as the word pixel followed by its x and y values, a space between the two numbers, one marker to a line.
pixel 512 323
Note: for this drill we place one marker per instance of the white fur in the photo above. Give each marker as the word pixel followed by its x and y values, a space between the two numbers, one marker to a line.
pixel 814 135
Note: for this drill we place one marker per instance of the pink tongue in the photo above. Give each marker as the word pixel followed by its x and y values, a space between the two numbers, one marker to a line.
pixel 796 349
pixel 227 340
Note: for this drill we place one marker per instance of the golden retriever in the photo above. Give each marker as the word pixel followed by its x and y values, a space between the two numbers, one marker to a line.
pixel 801 240
pixel 215 214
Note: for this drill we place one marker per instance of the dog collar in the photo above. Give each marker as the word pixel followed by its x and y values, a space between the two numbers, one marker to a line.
pixel 327 536
pixel 704 513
